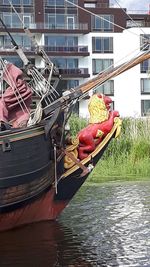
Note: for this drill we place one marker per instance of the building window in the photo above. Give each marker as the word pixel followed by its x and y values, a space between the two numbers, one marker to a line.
pixel 18 2
pixel 14 60
pixel 102 44
pixel 14 2
pixel 135 23
pixel 145 66
pixel 57 3
pixel 1 41
pixel 99 65
pixel 13 21
pixel 107 88
pixel 90 5
pixel 104 23
pixel 71 3
pixel 61 21
pixel 145 86
pixel 145 107
pixel 7 19
pixel 61 3
pixel 50 3
pixel 26 20
pixel 27 2
pixel 50 20
pixel 144 41
pixel 70 22
pixel 66 63
pixel 72 84
pixel 59 41
pixel 21 40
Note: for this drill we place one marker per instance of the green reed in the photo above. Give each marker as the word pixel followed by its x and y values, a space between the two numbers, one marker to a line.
pixel 127 157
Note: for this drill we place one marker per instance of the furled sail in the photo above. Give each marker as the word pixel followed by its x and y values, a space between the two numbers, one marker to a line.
pixel 15 101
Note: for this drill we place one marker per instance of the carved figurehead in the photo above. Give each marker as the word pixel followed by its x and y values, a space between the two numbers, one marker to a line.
pixel 99 106
pixel 100 124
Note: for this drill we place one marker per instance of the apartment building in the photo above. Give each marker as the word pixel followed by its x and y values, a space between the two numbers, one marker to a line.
pixel 82 38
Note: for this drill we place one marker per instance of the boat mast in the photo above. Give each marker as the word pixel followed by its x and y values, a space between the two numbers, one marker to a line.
pixel 40 52
pixel 18 49
pixel 53 70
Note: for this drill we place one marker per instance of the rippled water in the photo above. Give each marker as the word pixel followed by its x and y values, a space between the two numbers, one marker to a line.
pixel 104 225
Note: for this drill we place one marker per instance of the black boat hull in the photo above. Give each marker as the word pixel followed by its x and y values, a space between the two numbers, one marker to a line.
pixel 32 194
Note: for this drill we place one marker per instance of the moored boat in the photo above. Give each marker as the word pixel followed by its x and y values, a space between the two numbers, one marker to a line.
pixel 41 170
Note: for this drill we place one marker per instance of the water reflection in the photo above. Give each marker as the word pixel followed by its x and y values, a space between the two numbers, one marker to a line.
pixel 114 223
pixel 105 225
pixel 41 245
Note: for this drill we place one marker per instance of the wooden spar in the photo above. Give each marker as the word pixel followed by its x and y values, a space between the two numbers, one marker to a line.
pixel 105 76
pixel 96 81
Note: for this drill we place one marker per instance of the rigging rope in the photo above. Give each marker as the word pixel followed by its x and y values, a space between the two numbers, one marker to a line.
pixel 129 16
pixel 100 79
pixel 38 77
pixel 47 86
pixel 96 15
pixel 16 13
pixel 111 66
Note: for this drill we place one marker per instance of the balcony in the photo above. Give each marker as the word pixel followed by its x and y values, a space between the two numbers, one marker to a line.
pixel 135 23
pixel 67 50
pixel 73 73
pixel 76 72
pixel 77 49
pixel 50 50
pixel 4 49
pixel 79 27
pixel 66 26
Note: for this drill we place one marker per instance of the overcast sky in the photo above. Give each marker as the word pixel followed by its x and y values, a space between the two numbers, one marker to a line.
pixel 132 4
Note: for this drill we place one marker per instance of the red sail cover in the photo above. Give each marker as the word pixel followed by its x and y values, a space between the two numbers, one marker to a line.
pixel 15 101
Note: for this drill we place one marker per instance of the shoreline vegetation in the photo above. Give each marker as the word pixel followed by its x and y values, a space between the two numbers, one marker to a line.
pixel 127 158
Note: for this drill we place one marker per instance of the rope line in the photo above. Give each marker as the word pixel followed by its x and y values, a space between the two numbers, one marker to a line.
pixel 90 12
pixel 129 16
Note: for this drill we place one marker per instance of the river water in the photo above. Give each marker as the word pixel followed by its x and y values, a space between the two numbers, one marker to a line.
pixel 104 225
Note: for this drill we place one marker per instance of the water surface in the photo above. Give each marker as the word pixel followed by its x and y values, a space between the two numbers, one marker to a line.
pixel 104 225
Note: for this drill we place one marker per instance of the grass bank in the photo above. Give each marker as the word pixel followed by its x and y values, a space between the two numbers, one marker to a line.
pixel 126 158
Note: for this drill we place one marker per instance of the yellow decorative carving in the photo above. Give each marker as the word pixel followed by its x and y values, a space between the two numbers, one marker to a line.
pixel 97 109
pixel 118 123
pixel 71 148
pixel 99 134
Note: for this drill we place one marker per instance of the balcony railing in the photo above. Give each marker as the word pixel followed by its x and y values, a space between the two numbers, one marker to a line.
pixel 65 26
pixel 77 71
pixel 135 12
pixel 135 23
pixel 70 49
pixel 57 49
pixel 10 47
pixel 46 26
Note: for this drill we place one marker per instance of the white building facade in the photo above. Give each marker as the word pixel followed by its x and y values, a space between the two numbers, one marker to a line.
pixel 131 90
pixel 82 38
